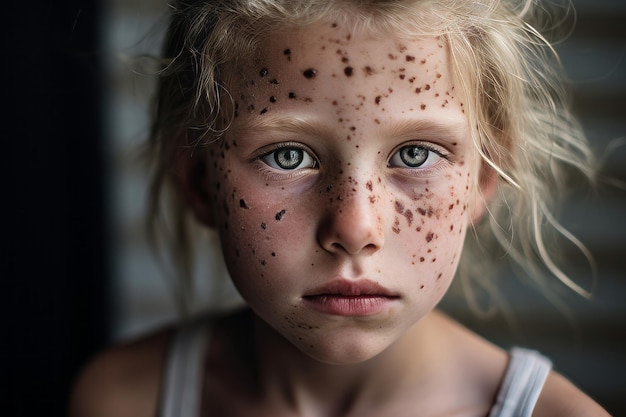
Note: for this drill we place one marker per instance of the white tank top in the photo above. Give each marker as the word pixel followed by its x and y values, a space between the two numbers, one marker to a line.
pixel 181 389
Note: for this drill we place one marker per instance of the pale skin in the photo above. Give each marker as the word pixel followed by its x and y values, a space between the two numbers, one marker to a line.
pixel 349 160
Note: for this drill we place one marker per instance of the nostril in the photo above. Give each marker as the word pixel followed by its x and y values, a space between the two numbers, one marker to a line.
pixel 370 248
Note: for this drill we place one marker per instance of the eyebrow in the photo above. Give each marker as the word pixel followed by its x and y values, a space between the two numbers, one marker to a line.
pixel 426 128
pixel 291 124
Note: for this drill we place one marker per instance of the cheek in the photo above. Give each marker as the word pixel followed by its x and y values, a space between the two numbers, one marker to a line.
pixel 430 226
pixel 258 235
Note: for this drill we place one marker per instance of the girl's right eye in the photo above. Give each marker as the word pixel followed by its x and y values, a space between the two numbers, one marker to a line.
pixel 289 158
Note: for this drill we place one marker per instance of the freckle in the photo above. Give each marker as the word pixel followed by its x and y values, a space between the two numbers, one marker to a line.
pixel 427 87
pixel 418 90
pixel 308 100
pixel 369 185
pixel 399 207
pixel 410 58
pixel 263 72
pixel 368 70
pixel 422 259
pixel 377 99
pixel 392 56
pixel 451 206
pixel 292 95
pixel 411 79
pixel 438 75
pixel 345 59
pixel 434 260
pixel 429 236
pixel 423 61
pixel 263 111
pixel 334 25
pixel 377 121
pixel 436 94
pixel 352 128
pixel 409 217
pixel 396 226
pixel 451 227
pixel 348 71
pixel 309 73
pixel 401 76
pixel 280 214
pixel 418 229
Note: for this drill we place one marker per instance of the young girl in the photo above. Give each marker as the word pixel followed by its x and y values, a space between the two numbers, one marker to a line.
pixel 342 149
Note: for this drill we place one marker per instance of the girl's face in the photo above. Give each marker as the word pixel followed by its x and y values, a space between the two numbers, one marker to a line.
pixel 342 190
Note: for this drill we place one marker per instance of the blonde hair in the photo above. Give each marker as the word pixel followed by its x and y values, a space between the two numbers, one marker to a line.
pixel 524 129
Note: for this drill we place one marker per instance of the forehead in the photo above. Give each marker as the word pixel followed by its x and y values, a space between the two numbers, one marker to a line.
pixel 332 66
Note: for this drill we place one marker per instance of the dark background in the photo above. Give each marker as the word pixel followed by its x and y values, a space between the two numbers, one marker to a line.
pixel 56 293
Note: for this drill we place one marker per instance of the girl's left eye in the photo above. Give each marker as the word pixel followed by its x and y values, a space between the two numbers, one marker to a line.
pixel 289 158
pixel 414 156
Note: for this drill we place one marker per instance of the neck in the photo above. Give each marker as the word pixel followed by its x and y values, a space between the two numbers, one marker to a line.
pixel 315 388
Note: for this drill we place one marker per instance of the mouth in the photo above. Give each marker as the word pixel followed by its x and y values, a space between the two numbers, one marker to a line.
pixel 351 298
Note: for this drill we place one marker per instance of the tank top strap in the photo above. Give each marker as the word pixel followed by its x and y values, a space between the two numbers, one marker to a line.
pixel 181 387
pixel 522 384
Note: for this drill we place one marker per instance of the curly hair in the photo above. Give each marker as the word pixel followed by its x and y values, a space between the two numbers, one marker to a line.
pixel 501 58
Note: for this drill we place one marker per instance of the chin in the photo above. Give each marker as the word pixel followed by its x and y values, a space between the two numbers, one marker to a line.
pixel 346 350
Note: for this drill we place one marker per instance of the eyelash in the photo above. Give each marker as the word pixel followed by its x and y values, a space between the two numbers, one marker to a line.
pixel 419 171
pixel 275 173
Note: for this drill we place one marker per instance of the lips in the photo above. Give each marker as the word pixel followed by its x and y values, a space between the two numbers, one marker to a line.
pixel 350 298
pixel 351 289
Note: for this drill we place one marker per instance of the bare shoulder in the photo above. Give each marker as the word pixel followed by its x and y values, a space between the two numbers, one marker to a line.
pixel 560 397
pixel 123 380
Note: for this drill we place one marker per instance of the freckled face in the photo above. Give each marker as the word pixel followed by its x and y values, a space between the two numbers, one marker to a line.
pixel 346 170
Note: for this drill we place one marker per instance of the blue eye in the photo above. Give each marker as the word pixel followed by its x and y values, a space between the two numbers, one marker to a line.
pixel 289 158
pixel 414 156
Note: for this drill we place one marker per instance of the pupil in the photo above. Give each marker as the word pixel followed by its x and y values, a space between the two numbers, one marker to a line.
pixel 289 158
pixel 414 156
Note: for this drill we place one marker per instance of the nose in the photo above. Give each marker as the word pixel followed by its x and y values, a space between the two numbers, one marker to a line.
pixel 352 225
